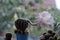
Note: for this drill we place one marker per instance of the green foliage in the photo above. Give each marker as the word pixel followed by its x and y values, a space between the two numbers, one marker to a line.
pixel 8 9
pixel 31 3
pixel 39 1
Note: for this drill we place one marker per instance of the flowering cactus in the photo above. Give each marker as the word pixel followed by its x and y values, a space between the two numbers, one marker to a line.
pixel 45 18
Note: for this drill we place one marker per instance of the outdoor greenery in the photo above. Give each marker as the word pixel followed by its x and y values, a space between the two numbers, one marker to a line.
pixel 8 9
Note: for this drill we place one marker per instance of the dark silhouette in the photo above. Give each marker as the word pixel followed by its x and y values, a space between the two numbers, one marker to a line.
pixel 21 26
pixel 49 35
pixel 8 36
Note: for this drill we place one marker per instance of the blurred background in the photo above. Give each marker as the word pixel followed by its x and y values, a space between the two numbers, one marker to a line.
pixel 10 10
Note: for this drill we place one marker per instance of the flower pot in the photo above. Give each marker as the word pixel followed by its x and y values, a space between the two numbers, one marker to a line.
pixel 22 36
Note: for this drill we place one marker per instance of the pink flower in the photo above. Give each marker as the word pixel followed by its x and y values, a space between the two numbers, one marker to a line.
pixel 45 18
